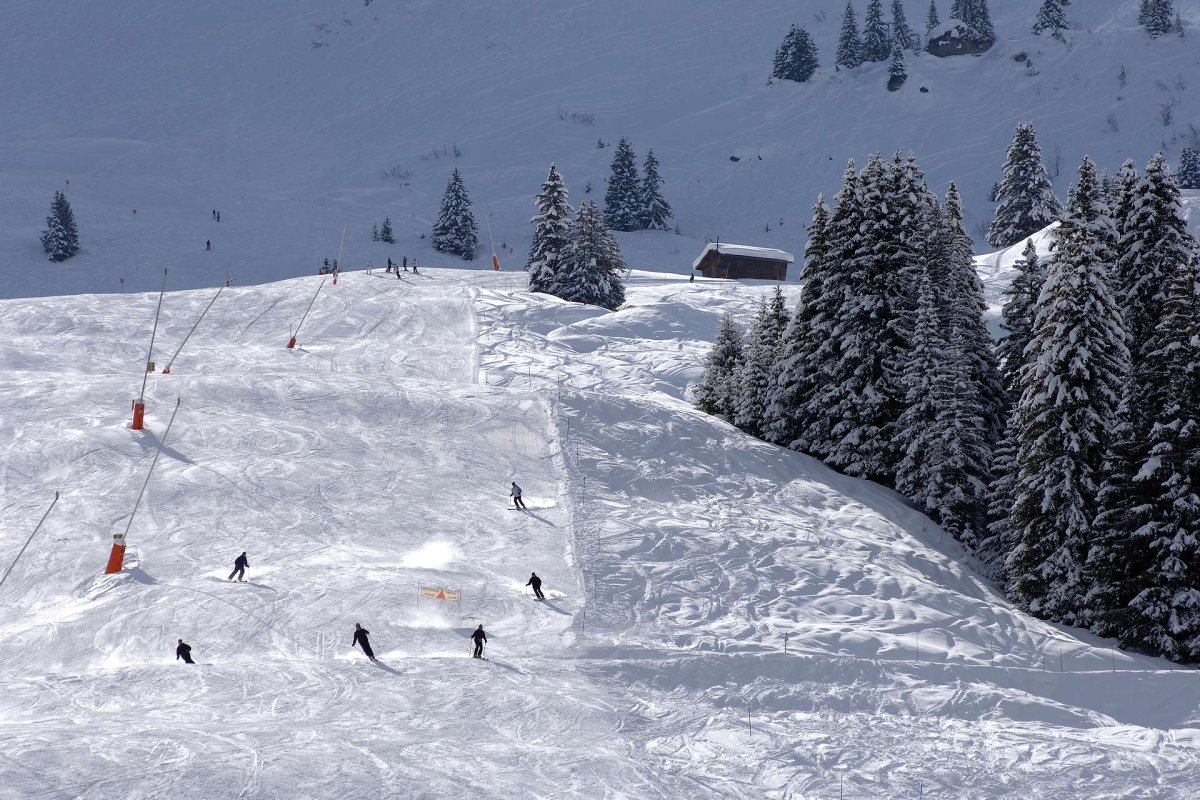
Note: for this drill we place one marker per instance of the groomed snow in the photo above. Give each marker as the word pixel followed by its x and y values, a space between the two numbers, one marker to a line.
pixel 677 553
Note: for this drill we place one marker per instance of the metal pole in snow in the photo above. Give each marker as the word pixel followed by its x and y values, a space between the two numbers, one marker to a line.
pixel 27 541
pixel 161 444
pixel 153 333
pixel 167 368
pixel 492 242
pixel 292 343
pixel 338 261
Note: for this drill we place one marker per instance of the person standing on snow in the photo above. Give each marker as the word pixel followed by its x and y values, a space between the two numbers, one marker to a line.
pixel 184 651
pixel 208 244
pixel 414 266
pixel 360 639
pixel 480 638
pixel 370 266
pixel 536 583
pixel 515 494
pixel 405 262
pixel 389 268
pixel 239 567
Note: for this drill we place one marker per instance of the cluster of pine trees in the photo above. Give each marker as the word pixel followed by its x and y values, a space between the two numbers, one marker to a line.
pixel 60 239
pixel 632 203
pixel 1158 17
pixel 1189 168
pixel 577 258
pixel 383 233
pixel 1067 455
pixel 878 40
pixel 976 19
pixel 456 231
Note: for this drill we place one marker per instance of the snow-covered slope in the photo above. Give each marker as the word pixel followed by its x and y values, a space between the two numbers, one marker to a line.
pixel 283 115
pixel 677 553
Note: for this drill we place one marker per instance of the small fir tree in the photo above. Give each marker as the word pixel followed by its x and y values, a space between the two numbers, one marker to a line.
pixel 760 351
pixel 551 234
pixel 455 231
pixel 1025 200
pixel 592 269
pixel 1157 17
pixel 931 19
pixel 1189 168
pixel 897 74
pixel 796 59
pixel 60 240
pixel 1017 316
pixel 656 211
pixel 622 198
pixel 718 389
pixel 1052 18
pixel 385 231
pixel 876 39
pixel 850 45
pixel 902 34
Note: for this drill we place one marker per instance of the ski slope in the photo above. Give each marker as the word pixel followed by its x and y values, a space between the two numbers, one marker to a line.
pixel 677 553
pixel 284 115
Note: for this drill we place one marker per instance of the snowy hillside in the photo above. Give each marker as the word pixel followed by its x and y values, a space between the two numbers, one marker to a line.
pixel 677 553
pixel 284 117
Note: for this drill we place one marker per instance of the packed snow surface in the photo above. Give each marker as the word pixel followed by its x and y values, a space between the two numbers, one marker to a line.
pixel 724 619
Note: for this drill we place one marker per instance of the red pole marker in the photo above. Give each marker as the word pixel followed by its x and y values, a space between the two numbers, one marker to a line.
pixel 116 559
pixel 139 405
pixel 139 415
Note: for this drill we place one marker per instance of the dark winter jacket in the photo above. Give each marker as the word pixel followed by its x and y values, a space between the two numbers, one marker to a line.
pixel 516 491
pixel 479 635
pixel 360 638
pixel 241 562
pixel 535 582
pixel 183 651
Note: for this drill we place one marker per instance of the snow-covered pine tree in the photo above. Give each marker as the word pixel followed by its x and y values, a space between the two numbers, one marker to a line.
pixel 455 230
pixel 804 333
pixel 760 349
pixel 850 45
pixel 60 240
pixel 865 394
pixel 718 389
pixel 901 32
pixel 1050 17
pixel 796 59
pixel 931 19
pixel 974 14
pixel 1143 12
pixel 1158 17
pixel 1071 387
pixel 783 55
pixel 656 211
pixel 1189 168
pixel 1025 201
pixel 551 233
pixel 897 74
pixel 374 233
pixel 876 39
pixel 386 235
pixel 622 198
pixel 592 268
pixel 1017 316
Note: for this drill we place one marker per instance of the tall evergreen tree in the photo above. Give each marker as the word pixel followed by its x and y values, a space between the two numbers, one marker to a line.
pixel 718 390
pixel 876 39
pixel 622 198
pixel 656 211
pixel 850 45
pixel 455 230
pixel 1189 168
pixel 1017 316
pixel 60 240
pixel 592 269
pixel 761 350
pixel 551 234
pixel 1071 387
pixel 931 19
pixel 796 59
pixel 808 329
pixel 385 232
pixel 974 14
pixel 1050 17
pixel 1157 17
pixel 902 34
pixel 1025 199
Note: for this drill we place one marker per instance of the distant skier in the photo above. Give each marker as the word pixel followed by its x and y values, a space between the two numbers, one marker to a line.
pixel 208 244
pixel 184 651
pixel 414 266
pixel 239 567
pixel 218 216
pixel 515 494
pixel 480 638
pixel 536 583
pixel 692 278
pixel 214 213
pixel 398 275
pixel 370 266
pixel 360 639
pixel 389 268
pixel 406 263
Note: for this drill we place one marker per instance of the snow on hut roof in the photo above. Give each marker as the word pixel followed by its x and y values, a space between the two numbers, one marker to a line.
pixel 746 250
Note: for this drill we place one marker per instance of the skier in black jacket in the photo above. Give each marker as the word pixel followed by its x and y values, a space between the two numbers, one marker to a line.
pixel 184 651
pixel 480 637
pixel 239 567
pixel 360 639
pixel 536 583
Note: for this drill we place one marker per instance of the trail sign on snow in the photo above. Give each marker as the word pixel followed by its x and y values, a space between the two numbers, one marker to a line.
pixel 435 593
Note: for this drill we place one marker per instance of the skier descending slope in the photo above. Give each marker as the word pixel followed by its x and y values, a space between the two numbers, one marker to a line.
pixel 239 567
pixel 480 638
pixel 184 651
pixel 515 494
pixel 536 583
pixel 360 639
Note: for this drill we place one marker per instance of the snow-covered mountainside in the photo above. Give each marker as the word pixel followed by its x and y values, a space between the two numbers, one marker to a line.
pixel 286 116
pixel 677 553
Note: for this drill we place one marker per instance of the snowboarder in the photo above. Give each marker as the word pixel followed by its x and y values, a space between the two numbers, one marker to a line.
pixel 184 651
pixel 208 244
pixel 536 583
pixel 239 567
pixel 480 637
pixel 360 639
pixel 515 494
